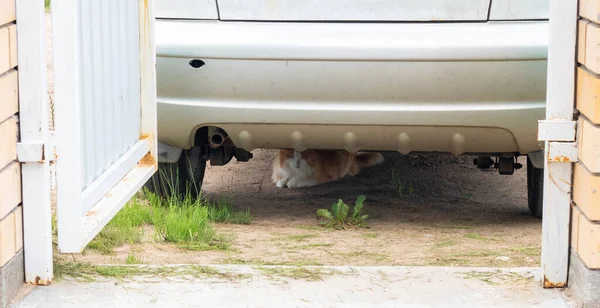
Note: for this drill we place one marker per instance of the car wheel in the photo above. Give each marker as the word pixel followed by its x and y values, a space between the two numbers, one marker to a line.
pixel 535 189
pixel 180 178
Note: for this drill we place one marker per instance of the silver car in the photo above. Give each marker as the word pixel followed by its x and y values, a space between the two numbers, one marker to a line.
pixel 461 76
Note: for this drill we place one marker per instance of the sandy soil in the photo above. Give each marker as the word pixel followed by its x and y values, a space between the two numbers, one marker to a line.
pixel 446 213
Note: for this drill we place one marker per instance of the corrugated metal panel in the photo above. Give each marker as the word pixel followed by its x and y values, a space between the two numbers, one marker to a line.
pixel 110 83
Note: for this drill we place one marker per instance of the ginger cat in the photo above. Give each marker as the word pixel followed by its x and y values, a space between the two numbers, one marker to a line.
pixel 295 169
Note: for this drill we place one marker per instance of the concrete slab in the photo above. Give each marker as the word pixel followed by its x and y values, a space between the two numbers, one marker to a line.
pixel 248 286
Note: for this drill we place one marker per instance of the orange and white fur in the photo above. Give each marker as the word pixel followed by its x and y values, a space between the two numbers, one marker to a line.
pixel 295 169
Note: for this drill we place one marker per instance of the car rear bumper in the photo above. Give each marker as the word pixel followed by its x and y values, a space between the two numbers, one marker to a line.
pixel 493 41
pixel 456 87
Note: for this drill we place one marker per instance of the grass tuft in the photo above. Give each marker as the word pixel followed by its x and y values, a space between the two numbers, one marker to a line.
pixel 339 218
pixel 298 273
pixel 499 277
pixel 132 259
pixel 125 227
pixel 183 220
pixel 443 244
pixel 223 211
pixel 476 236
pixel 301 262
pixel 295 238
pixel 80 271
pixel 371 235
pixel 184 223
pixel 528 251
pixel 86 272
pixel 443 226
pixel 401 187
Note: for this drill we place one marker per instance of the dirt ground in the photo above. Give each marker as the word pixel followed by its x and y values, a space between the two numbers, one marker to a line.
pixel 423 210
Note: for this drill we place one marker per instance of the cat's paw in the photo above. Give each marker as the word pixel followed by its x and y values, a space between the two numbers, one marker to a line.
pixel 293 183
pixel 281 183
pixel 297 183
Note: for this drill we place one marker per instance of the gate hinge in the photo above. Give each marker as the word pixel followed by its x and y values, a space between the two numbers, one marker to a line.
pixel 32 151
pixel 556 130
pixel 562 152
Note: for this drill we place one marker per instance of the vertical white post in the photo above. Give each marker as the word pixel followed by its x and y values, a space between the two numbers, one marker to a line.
pixel 67 118
pixel 559 109
pixel 33 108
pixel 148 74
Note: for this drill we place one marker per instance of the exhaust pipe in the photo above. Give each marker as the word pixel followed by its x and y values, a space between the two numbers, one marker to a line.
pixel 218 138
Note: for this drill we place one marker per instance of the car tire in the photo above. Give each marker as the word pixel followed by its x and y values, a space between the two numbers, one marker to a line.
pixel 535 189
pixel 184 176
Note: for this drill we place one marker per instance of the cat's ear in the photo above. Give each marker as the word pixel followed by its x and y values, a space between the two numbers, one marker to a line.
pixel 287 153
pixel 310 159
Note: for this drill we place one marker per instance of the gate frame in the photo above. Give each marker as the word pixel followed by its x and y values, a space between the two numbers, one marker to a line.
pixel 35 149
pixel 560 151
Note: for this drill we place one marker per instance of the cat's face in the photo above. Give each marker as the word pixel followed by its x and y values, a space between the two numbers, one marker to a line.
pixel 295 159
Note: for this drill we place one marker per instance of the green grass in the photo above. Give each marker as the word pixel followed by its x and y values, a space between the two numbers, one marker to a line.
pixel 132 259
pixel 443 261
pixel 183 220
pixel 223 211
pixel 77 270
pixel 528 251
pixel 464 227
pixel 476 236
pixel 125 227
pixel 297 237
pixel 301 262
pixel 87 272
pixel 499 277
pixel 401 187
pixel 476 253
pixel 444 244
pixel 298 273
pixel 377 257
pixel 309 227
pixel 339 216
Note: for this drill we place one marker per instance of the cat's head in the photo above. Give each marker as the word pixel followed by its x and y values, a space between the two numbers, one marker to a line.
pixel 295 159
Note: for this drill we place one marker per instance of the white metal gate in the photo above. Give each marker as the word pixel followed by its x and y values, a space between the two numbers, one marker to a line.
pixel 105 114
pixel 105 143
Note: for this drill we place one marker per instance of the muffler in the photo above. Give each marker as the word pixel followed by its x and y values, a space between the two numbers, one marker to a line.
pixel 218 138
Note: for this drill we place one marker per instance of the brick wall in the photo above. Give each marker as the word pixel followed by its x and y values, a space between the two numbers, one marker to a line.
pixel 11 222
pixel 585 237
pixel 584 272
